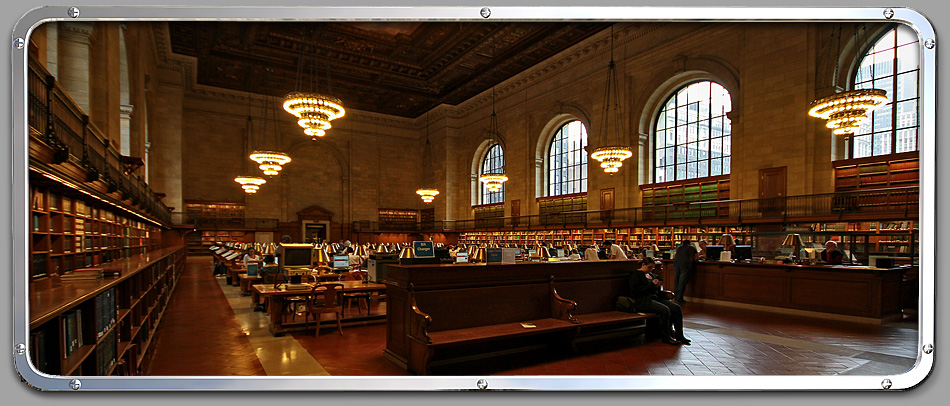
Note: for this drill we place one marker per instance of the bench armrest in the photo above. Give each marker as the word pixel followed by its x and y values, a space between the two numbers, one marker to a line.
pixel 561 308
pixel 418 321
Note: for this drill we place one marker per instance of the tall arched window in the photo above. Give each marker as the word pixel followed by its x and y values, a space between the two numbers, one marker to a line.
pixel 567 160
pixel 693 137
pixel 494 162
pixel 891 64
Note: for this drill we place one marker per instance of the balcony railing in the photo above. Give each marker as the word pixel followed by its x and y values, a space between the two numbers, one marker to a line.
pixel 890 203
pixel 56 120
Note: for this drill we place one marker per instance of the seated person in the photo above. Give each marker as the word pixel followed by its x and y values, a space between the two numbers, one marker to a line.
pixel 701 255
pixel 645 294
pixel 575 256
pixel 252 257
pixel 354 259
pixel 831 255
pixel 269 266
pixel 591 253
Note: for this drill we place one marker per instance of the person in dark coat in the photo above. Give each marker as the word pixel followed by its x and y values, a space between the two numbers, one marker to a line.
pixel 683 265
pixel 646 294
pixel 831 255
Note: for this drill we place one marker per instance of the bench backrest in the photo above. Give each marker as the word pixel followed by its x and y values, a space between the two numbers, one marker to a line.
pixel 474 307
pixel 593 296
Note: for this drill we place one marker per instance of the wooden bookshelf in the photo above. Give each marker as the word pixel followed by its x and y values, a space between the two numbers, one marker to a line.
pixel 895 170
pixel 552 209
pixel 665 237
pixel 105 326
pixel 69 232
pixel 684 194
pixel 211 209
pixel 395 218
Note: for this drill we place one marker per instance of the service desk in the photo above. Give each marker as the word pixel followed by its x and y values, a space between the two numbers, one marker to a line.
pixel 864 293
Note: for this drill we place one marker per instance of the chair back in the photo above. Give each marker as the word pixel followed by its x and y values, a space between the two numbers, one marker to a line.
pixel 330 293
pixel 352 276
pixel 274 278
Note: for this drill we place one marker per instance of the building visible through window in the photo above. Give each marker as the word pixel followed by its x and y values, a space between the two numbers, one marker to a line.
pixel 693 135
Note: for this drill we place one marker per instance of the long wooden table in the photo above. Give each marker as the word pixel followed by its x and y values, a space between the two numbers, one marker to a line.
pixel 276 298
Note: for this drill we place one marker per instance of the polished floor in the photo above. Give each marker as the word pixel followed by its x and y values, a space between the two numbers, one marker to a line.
pixel 210 329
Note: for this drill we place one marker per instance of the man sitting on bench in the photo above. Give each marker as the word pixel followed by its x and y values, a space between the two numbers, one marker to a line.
pixel 645 296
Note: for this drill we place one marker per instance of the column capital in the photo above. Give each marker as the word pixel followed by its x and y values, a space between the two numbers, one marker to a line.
pixel 125 111
pixel 76 32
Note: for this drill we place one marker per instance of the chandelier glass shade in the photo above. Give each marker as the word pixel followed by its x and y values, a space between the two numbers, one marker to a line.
pixel 250 184
pixel 314 111
pixel 846 111
pixel 493 181
pixel 271 162
pixel 611 158
pixel 427 194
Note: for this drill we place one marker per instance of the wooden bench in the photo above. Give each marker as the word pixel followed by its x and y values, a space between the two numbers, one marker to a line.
pixel 454 325
pixel 595 310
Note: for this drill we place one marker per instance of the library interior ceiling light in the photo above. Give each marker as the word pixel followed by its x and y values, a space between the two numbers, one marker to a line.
pixel 428 195
pixel 611 157
pixel 493 181
pixel 271 162
pixel 846 111
pixel 250 184
pixel 314 110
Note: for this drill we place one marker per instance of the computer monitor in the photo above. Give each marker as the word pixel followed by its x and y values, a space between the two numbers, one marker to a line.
pixel 461 257
pixel 713 252
pixel 293 255
pixel 741 252
pixel 251 269
pixel 341 261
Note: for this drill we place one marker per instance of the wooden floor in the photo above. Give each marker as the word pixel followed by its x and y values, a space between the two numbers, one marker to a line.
pixel 209 329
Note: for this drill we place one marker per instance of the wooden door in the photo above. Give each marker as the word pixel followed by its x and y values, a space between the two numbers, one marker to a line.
pixel 515 211
pixel 606 205
pixel 772 191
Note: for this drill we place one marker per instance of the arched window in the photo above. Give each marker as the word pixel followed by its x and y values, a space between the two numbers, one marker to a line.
pixel 494 162
pixel 693 136
pixel 567 160
pixel 891 64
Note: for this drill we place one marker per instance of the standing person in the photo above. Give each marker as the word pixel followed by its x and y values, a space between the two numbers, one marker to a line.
pixel 644 292
pixel 614 251
pixel 683 264
pixel 590 254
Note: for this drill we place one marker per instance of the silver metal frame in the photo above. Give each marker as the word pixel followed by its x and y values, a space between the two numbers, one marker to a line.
pixel 927 144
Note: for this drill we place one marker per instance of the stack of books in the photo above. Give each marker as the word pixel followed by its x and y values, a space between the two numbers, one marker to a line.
pixel 89 274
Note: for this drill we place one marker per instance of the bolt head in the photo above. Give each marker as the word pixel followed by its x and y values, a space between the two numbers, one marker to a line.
pixel 19 43
pixel 886 384
pixel 20 349
pixel 75 384
pixel 485 12
pixel 888 13
pixel 482 384
pixel 73 12
pixel 929 348
pixel 930 43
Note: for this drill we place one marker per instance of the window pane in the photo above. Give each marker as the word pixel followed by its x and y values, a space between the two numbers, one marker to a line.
pixel 703 149
pixel 680 155
pixel 660 157
pixel 703 169
pixel 862 146
pixel 907 86
pixel 716 148
pixel 691 152
pixel 881 143
pixel 701 131
pixel 908 57
pixel 726 146
pixel 568 160
pixel 681 171
pixel 660 139
pixel 704 130
pixel 906 140
pixel 882 119
pixel 907 114
pixel 726 165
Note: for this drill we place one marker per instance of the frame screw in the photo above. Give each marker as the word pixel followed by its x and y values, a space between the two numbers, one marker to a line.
pixel 20 349
pixel 888 13
pixel 19 43
pixel 930 43
pixel 485 12
pixel 886 384
pixel 482 384
pixel 929 348
pixel 75 384
pixel 73 12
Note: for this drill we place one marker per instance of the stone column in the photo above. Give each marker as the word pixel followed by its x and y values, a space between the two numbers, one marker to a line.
pixel 72 60
pixel 125 124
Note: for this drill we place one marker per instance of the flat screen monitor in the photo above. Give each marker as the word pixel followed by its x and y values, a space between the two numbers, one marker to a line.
pixel 742 252
pixel 251 269
pixel 296 255
pixel 341 261
pixel 712 252
pixel 461 257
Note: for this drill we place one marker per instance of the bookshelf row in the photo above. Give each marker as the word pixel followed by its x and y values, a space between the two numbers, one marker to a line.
pixel 199 242
pixel 68 233
pixel 873 173
pixel 635 237
pixel 102 326
pixel 214 209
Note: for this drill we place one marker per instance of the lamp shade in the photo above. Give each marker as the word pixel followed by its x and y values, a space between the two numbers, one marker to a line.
pixel 793 240
pixel 320 256
pixel 479 255
pixel 545 253
pixel 382 249
pixel 407 252
pixel 727 240
pixel 360 251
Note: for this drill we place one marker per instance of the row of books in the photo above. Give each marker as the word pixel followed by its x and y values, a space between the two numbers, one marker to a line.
pixel 105 312
pixel 106 354
pixel 72 329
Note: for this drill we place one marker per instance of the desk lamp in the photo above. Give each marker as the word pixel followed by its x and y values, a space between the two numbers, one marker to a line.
pixel 727 241
pixel 320 256
pixel 407 252
pixel 479 255
pixel 794 240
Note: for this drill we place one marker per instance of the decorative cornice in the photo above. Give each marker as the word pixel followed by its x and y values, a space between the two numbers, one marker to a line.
pixel 74 31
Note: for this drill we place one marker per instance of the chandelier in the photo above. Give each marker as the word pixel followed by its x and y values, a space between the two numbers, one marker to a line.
pixel 846 111
pixel 314 110
pixel 611 157
pixel 270 162
pixel 493 180
pixel 250 184
pixel 427 194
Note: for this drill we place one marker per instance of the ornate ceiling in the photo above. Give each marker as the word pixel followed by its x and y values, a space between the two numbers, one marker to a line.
pixel 397 68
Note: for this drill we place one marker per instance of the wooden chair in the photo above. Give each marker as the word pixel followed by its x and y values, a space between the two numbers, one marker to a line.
pixel 270 279
pixel 325 298
pixel 295 302
pixel 349 297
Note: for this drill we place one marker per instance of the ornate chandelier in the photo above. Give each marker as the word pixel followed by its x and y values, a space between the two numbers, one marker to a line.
pixel 314 111
pixel 493 181
pixel 250 184
pixel 427 194
pixel 611 157
pixel 270 162
pixel 846 111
